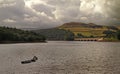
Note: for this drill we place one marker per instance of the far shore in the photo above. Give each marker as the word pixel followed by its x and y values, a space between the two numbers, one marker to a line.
pixel 15 42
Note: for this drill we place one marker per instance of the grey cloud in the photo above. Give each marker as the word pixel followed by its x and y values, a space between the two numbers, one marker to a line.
pixel 112 8
pixel 103 12
pixel 44 8
pixel 67 10
pixel 52 13
pixel 63 3
pixel 15 11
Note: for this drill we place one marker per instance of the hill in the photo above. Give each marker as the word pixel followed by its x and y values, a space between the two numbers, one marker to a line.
pixel 87 30
pixel 74 30
pixel 13 35
pixel 56 34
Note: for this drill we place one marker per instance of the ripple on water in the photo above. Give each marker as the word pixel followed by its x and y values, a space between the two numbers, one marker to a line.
pixel 61 58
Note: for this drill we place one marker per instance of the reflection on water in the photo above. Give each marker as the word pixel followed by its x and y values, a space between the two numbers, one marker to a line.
pixel 61 57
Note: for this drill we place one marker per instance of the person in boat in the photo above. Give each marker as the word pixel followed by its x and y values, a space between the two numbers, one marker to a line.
pixel 34 59
pixel 29 61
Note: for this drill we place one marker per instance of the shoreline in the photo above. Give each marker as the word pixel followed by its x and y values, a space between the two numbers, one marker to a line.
pixel 15 42
pixel 109 41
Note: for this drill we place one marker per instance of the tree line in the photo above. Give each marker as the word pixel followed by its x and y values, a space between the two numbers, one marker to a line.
pixel 109 34
pixel 56 34
pixel 17 35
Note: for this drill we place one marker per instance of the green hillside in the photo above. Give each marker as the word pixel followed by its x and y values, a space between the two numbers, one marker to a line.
pixel 72 30
pixel 87 30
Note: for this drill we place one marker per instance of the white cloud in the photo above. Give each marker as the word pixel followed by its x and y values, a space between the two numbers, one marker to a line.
pixel 7 5
pixel 31 19
pixel 83 18
pixel 9 21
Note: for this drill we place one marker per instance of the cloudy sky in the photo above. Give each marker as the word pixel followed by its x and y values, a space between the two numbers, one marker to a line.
pixel 51 13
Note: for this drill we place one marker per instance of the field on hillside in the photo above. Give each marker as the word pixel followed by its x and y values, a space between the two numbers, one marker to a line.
pixel 87 31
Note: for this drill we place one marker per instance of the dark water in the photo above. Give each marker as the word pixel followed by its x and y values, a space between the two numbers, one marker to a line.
pixel 61 58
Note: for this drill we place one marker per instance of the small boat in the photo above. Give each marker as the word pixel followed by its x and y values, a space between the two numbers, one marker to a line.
pixel 30 61
pixel 26 61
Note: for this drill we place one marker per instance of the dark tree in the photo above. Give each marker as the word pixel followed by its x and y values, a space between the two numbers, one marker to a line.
pixel 56 34
pixel 79 35
pixel 118 34
pixel 109 33
pixel 16 35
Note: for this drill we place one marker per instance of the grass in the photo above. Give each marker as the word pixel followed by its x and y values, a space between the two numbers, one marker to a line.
pixel 87 31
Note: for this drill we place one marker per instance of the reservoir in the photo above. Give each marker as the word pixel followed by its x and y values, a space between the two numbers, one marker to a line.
pixel 61 57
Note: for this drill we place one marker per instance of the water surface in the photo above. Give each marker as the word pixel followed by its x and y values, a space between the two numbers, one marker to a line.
pixel 61 57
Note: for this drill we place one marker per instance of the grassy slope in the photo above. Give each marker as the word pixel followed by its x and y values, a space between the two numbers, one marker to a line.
pixel 87 30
